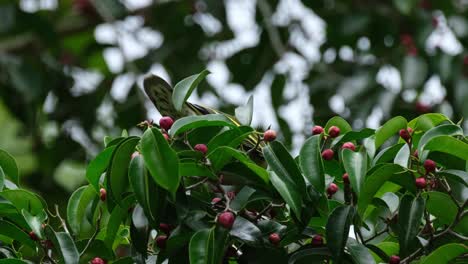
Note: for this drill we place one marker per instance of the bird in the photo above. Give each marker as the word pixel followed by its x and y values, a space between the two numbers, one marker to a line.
pixel 160 94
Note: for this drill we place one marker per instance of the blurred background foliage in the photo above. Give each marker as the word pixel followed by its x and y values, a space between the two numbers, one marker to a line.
pixel 71 71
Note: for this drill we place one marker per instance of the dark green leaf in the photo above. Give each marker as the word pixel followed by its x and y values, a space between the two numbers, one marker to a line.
pixel 359 253
pixel 389 129
pixel 183 89
pixel 76 208
pixel 161 160
pixel 8 164
pixel 191 122
pixel 97 166
pixel 9 230
pixel 355 164
pixel 441 206
pixel 445 253
pixel 310 255
pixel 64 244
pixel 245 230
pixel 443 130
pixel 449 145
pixel 242 198
pixel 402 158
pixel 35 221
pixel 195 169
pixel 311 163
pixel 337 230
pixel 409 219
pixel 23 199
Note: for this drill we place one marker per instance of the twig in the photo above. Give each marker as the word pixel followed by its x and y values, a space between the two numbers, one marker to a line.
pixel 196 184
pixel 376 235
pixel 273 33
pixel 64 224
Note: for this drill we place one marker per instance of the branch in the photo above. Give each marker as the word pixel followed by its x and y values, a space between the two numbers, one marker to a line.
pixel 272 31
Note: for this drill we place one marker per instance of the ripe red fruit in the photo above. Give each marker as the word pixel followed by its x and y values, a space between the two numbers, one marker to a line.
pixel 317 241
pixel 33 236
pixel 231 195
pixel 201 148
pixel 98 260
pixel 215 200
pixel 226 219
pixel 327 154
pixel 274 238
pixel 416 154
pixel 332 189
pixel 346 178
pixel 161 241
pixel 422 107
pixel 102 194
pixel 166 122
pixel 421 183
pixel 429 165
pixel 166 137
pixel 333 131
pixel 394 260
pixel 317 130
pixel 165 228
pixel 349 145
pixel 405 134
pixel 269 135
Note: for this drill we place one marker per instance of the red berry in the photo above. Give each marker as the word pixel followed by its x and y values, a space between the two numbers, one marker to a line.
pixel 166 137
pixel 166 122
pixel 216 200
pixel 349 145
pixel 102 194
pixel 317 130
pixel 317 241
pixel 48 244
pixel 333 131
pixel 165 228
pixel 422 107
pixel 421 183
pixel 161 241
pixel 429 165
pixel 332 189
pixel 405 134
pixel 274 239
pixel 135 154
pixel 33 236
pixel 98 260
pixel 394 260
pixel 231 195
pixel 416 154
pixel 406 39
pixel 269 135
pixel 201 148
pixel 346 178
pixel 226 219
pixel 327 154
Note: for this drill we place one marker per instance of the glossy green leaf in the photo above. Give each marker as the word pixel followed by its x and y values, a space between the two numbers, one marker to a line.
pixel 449 145
pixel 390 248
pixel 391 200
pixel 353 135
pixel 389 129
pixel 77 205
pixel 9 166
pixel 427 121
pixel 226 138
pixel 445 253
pixel 97 166
pixel 339 122
pixel 35 221
pixel 388 154
pixel 242 198
pixel 388 172
pixel 355 164
pixel 311 163
pixel 151 197
pixel 161 160
pixel 441 206
pixel 190 122
pixel 23 199
pixel 117 174
pixel 183 89
pixel 198 247
pixel 288 177
pixel 409 219
pixel 2 179
pixel 65 246
pixel 402 158
pixel 207 246
pixel 11 231
pixel 337 230
pixel 288 192
pixel 443 130
pixel 12 261
pixel 244 113
pixel 245 230
pixel 139 231
pixel 359 252
pixel 195 169
pixel 222 155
